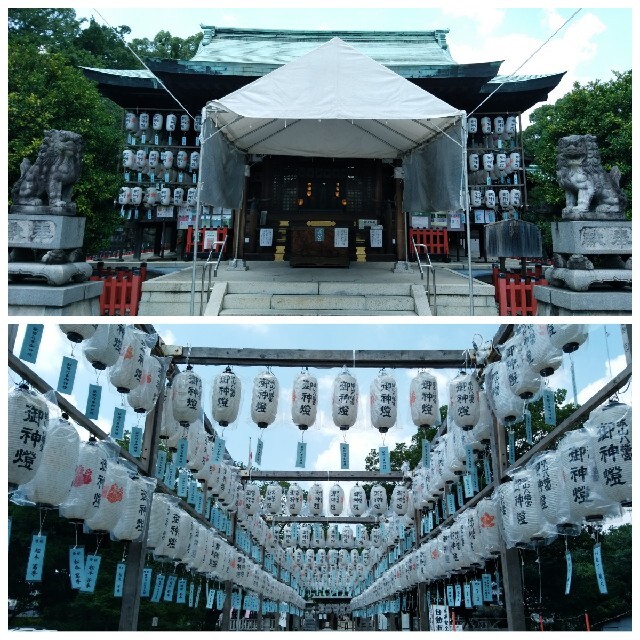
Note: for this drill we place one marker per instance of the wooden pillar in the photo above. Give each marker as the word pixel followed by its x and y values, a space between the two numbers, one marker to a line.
pixel 225 624
pixel 239 226
pixel 401 239
pixel 12 333
pixel 137 242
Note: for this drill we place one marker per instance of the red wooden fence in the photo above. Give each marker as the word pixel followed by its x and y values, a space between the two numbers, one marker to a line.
pixel 514 294
pixel 437 241
pixel 122 290
pixel 221 234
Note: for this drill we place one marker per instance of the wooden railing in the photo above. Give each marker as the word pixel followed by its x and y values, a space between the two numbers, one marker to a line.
pixel 122 289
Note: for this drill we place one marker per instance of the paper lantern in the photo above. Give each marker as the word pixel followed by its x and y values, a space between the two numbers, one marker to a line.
pixel 463 400
pixel 501 163
pixel 514 159
pixel 346 538
pixel 304 400
pixel 114 494
pixel 194 161
pixel 130 121
pixel 186 401
pixel 103 349
pixel 383 397
pixel 489 519
pixel 545 469
pixel 472 124
pixel 475 197
pixel 378 500
pixel 498 124
pixel 567 337
pixel 470 548
pixel 131 523
pixel 538 352
pixel 144 397
pixel 503 198
pixel 344 400
pixel 124 195
pixel 52 481
pixel 197 439
pixel 490 198
pixel 182 159
pixel 273 499
pixel 264 399
pixel 376 537
pixel 487 161
pixel 514 197
pixel 126 373
pixel 252 498
pixel 136 195
pixel 128 159
pixel 317 538
pixel 399 500
pixel 521 380
pixel 485 124
pixel 226 395
pixel 481 432
pixel 84 495
pixel 474 162
pixel 78 332
pixel 506 406
pixel 357 501
pixel 610 429
pixel 423 399
pixel 305 536
pixel 333 537
pixel 141 160
pixel 315 499
pixel 294 499
pixel 511 124
pixel 28 415
pixel 336 500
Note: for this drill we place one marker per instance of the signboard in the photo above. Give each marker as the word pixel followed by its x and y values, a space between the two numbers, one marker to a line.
pixel 479 216
pixel 266 237
pixel 439 618
pixel 210 236
pixel 455 221
pixel 376 236
pixel 420 220
pixel 362 224
pixel 164 211
pixel 186 219
pixel 341 237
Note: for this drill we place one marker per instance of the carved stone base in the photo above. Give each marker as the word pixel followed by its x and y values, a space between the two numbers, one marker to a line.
pixel 45 232
pixel 68 209
pixel 563 302
pixel 54 274
pixel 583 280
pixel 591 237
pixel 33 299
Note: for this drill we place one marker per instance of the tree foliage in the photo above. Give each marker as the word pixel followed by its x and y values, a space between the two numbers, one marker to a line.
pixel 164 45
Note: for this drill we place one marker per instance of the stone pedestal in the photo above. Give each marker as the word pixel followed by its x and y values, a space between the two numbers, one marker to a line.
pixel 55 274
pixel 32 299
pixel 45 232
pixel 585 279
pixel 553 301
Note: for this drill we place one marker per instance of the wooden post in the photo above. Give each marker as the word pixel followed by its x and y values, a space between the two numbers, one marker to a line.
pixel 12 333
pixel 401 238
pixel 239 226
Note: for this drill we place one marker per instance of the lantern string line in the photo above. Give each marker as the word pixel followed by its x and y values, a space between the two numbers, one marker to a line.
pixel 75 526
pixel 606 343
pixel 544 44
pixel 539 577
pixel 42 520
pixel 162 84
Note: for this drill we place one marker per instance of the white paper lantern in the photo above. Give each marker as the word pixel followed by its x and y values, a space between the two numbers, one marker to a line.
pixel 506 406
pixel 131 523
pixel 144 397
pixel 514 197
pixel 315 499
pixel 481 432
pixel 264 399
pixel 128 159
pixel 159 520
pixel 165 196
pixel 154 159
pixel 501 163
pixel 384 402
pixel 305 536
pixel 539 354
pixel 344 400
pixel 511 124
pixel 464 401
pixel 186 401
pixel 124 195
pixel 475 197
pixel 171 122
pixel 553 497
pixel 423 399
pixel 294 499
pixel 474 162
pixel 130 121
pixel 226 395
pixel 136 195
pixel 52 482
pixel 114 494
pixel 378 500
pixel 485 123
pixel 78 332
pixel 503 198
pixel 336 500
pixel 610 429
pixel 489 520
pixel 141 160
pixel 487 161
pixel 273 499
pixel 28 415
pixel 498 124
pixel 197 439
pixel 252 498
pixel 304 400
pixel 472 124
pixel 521 380
pixel 126 373
pixel 399 500
pixel 185 122
pixel 514 159
pixel 567 337
pixel 182 159
pixel 194 161
pixel 490 198
pixel 357 501
pixel 151 197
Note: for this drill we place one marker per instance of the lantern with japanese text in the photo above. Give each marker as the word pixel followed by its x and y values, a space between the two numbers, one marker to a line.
pixel 78 332
pixel 159 520
pixel 553 498
pixel 399 500
pixel 521 380
pixel 144 397
pixel 186 401
pixel 196 444
pixel 273 499
pixel 378 500
pixel 485 123
pixel 481 432
pixel 506 406
pixel 345 400
pixel 126 373
pixel 114 494
pixel 346 538
pixel 28 415
pixel 264 399
pixel 488 518
pixel 305 536
pixel 463 400
pixel 103 349
pixel 423 399
pixel 131 523
pixel 540 355
pixel 225 397
pixel 252 498
pixel 357 501
pixel 294 499
pixel 472 124
pixel 567 337
pixel 336 500
pixel 383 397
pixel 315 499
pixel 304 400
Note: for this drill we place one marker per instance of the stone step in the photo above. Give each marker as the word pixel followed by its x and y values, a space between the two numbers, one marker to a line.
pixel 318 302
pixel 311 312
pixel 463 310
pixel 319 288
pixel 451 300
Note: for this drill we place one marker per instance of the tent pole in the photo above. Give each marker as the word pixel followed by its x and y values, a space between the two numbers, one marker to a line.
pixel 465 199
pixel 196 227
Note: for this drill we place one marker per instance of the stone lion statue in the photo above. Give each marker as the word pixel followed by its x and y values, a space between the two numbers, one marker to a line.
pixel 50 180
pixel 591 193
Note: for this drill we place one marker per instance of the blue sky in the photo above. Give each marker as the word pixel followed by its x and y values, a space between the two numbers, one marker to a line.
pixel 323 439
pixel 595 42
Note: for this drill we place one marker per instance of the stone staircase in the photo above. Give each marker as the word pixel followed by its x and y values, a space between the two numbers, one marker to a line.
pixel 453 300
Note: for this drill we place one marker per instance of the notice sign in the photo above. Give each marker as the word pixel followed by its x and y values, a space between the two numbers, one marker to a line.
pixel 376 237
pixel 439 618
pixel 210 236
pixel 266 237
pixel 164 211
pixel 341 237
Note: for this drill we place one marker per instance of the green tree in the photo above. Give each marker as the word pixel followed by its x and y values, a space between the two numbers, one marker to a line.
pixel 164 45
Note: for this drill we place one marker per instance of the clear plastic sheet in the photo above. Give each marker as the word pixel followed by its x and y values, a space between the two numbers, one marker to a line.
pixel 126 373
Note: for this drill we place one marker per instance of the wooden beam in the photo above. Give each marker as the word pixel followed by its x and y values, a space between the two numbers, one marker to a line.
pixel 320 359
pixel 319 476
pixel 322 519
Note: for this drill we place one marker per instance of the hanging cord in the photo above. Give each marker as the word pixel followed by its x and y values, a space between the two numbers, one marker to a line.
pixel 162 84
pixel 42 520
pixel 539 576
pixel 573 380
pixel 188 354
pixel 544 44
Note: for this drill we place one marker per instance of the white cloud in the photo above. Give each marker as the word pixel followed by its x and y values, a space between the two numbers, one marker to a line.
pixel 488 19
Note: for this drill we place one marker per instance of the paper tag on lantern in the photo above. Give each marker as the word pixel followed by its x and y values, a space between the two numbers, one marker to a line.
pixel 476 593
pixel 468 486
pixel 487 471
pixel 191 493
pixel 218 451
pixel 181 453
pixel 195 604
pixel 344 455
pixel 512 447
pixel 458 596
pixel 220 597
pixel 192 588
pixel 549 404
pixel 145 589
pixel 467 596
pixel 567 586
pixel 527 426
pixel 487 592
pixel 181 595
pixel 91 568
pixel 385 462
pixel 426 454
pixel 259 448
pixel 211 594
pixel 168 590
pixel 67 374
pixel 119 580
pixel 236 600
pixel 451 504
pixel 135 444
pixel 161 463
pixel 157 588
pixel 597 563
pixel 117 424
pixel 76 567
pixel 301 455
pixel 430 521
pixel 183 483
pixel 470 457
pixel 459 492
pixel 199 506
pixel 31 343
pixel 450 595
pixel 93 401
pixel 207 512
pixel 36 558
pixel 474 479
pixel 170 475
